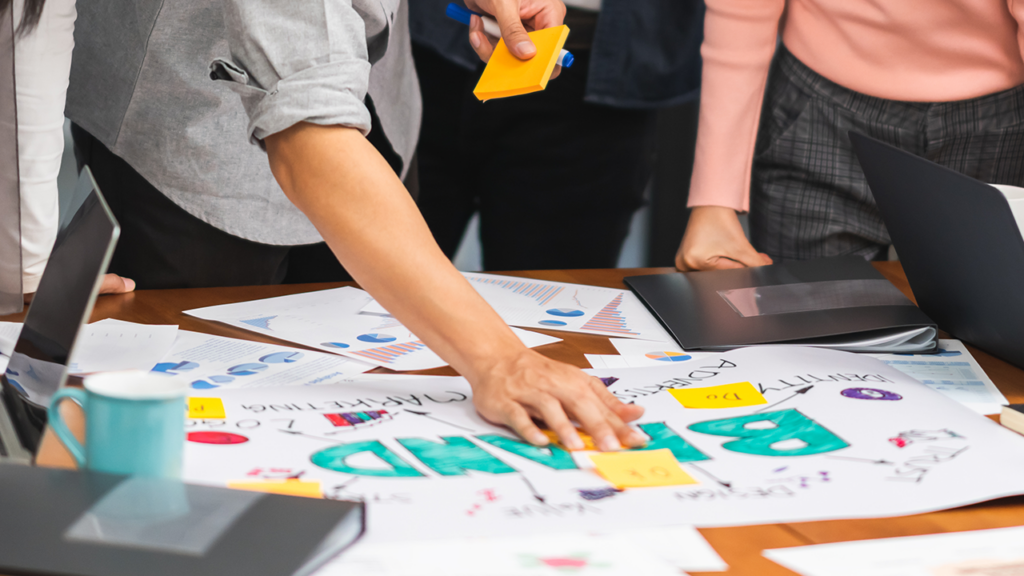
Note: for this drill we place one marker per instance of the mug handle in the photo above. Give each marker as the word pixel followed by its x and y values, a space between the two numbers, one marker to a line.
pixel 78 396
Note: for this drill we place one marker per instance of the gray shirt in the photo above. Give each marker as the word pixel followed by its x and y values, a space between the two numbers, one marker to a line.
pixel 141 82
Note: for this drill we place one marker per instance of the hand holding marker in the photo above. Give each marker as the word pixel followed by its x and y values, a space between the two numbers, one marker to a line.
pixel 460 14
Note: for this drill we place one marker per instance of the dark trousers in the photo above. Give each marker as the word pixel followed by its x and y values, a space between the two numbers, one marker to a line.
pixel 809 197
pixel 556 180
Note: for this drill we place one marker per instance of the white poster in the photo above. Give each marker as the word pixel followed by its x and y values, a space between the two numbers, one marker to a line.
pixel 786 434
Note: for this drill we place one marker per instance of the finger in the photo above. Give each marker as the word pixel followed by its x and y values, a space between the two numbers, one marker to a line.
pixel 608 430
pixel 556 71
pixel 628 412
pixel 550 410
pixel 114 284
pixel 513 32
pixel 766 260
pixel 553 14
pixel 725 263
pixel 479 40
pixel 517 418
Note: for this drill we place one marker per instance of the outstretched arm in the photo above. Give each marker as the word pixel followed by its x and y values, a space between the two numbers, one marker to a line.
pixel 374 228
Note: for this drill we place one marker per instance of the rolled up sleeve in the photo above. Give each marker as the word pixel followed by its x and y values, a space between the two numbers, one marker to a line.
pixel 296 61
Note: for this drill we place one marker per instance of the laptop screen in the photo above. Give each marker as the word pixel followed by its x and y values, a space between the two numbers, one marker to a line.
pixel 61 305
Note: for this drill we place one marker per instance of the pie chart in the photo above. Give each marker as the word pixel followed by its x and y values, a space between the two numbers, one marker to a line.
pixel 376 338
pixel 334 345
pixel 203 385
pixel 282 357
pixel 565 312
pixel 551 323
pixel 668 356
pixel 247 369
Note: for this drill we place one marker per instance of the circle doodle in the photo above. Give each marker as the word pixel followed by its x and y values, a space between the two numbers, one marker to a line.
pixel 870 394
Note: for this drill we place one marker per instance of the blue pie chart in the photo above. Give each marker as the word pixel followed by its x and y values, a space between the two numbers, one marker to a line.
pixel 376 338
pixel 203 385
pixel 551 323
pixel 282 357
pixel 334 345
pixel 565 312
pixel 222 379
pixel 247 369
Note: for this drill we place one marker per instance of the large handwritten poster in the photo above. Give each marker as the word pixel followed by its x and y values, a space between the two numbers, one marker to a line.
pixel 783 435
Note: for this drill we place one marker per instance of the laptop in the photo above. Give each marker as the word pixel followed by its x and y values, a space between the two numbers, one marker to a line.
pixel 959 243
pixel 38 365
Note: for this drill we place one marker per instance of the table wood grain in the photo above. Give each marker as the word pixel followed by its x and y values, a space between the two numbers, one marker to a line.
pixel 740 547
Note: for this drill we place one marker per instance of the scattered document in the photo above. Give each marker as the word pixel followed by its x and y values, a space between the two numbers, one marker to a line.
pixel 631 347
pixel 954 372
pixel 529 303
pixel 658 358
pixel 331 320
pixel 839 436
pixel 211 362
pixel 551 554
pixel 111 345
pixel 105 346
pixel 997 552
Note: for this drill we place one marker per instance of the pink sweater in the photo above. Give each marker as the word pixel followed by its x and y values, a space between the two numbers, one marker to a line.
pixel 912 50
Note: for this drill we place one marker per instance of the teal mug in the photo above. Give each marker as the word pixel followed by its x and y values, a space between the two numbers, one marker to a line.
pixel 134 423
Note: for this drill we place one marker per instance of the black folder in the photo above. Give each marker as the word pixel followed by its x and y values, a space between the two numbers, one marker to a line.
pixel 841 303
pixel 72 523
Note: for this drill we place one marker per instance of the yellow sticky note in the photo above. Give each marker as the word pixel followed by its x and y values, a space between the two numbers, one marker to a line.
pixel 507 75
pixel 304 488
pixel 724 396
pixel 206 408
pixel 643 468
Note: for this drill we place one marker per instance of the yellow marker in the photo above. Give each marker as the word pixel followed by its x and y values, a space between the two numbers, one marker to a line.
pixel 507 75
pixel 724 396
pixel 206 408
pixel 304 488
pixel 640 469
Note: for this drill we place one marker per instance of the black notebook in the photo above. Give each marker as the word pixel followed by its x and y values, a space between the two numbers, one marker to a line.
pixel 87 524
pixel 841 303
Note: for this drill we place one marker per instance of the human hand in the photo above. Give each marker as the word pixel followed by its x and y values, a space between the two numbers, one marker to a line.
pixel 714 240
pixel 529 386
pixel 114 284
pixel 514 18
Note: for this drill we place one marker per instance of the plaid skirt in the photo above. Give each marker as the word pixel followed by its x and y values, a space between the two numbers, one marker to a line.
pixel 809 198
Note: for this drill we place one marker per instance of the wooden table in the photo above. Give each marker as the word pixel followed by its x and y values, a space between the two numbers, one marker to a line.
pixel 740 547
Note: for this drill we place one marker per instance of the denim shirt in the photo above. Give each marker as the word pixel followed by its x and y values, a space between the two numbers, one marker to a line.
pixel 158 82
pixel 646 53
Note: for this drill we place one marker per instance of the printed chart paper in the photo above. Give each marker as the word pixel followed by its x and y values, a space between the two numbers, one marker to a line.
pixel 529 303
pixel 105 346
pixel 954 372
pixel 330 320
pixel 630 347
pixel 212 362
pixel 997 552
pixel 841 436
pixel 553 554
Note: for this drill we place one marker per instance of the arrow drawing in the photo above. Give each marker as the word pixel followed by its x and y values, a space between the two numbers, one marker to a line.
pixel 427 415
pixel 533 490
pixel 794 395
pixel 297 433
pixel 710 475
pixel 868 460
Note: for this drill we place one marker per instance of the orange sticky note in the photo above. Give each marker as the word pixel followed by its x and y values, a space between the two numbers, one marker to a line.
pixel 588 442
pixel 506 75
pixel 724 396
pixel 206 408
pixel 304 488
pixel 641 469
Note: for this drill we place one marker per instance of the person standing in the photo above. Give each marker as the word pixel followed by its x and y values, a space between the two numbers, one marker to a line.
pixel 938 78
pixel 555 175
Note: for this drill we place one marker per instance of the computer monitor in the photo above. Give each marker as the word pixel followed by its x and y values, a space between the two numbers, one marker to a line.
pixel 62 304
